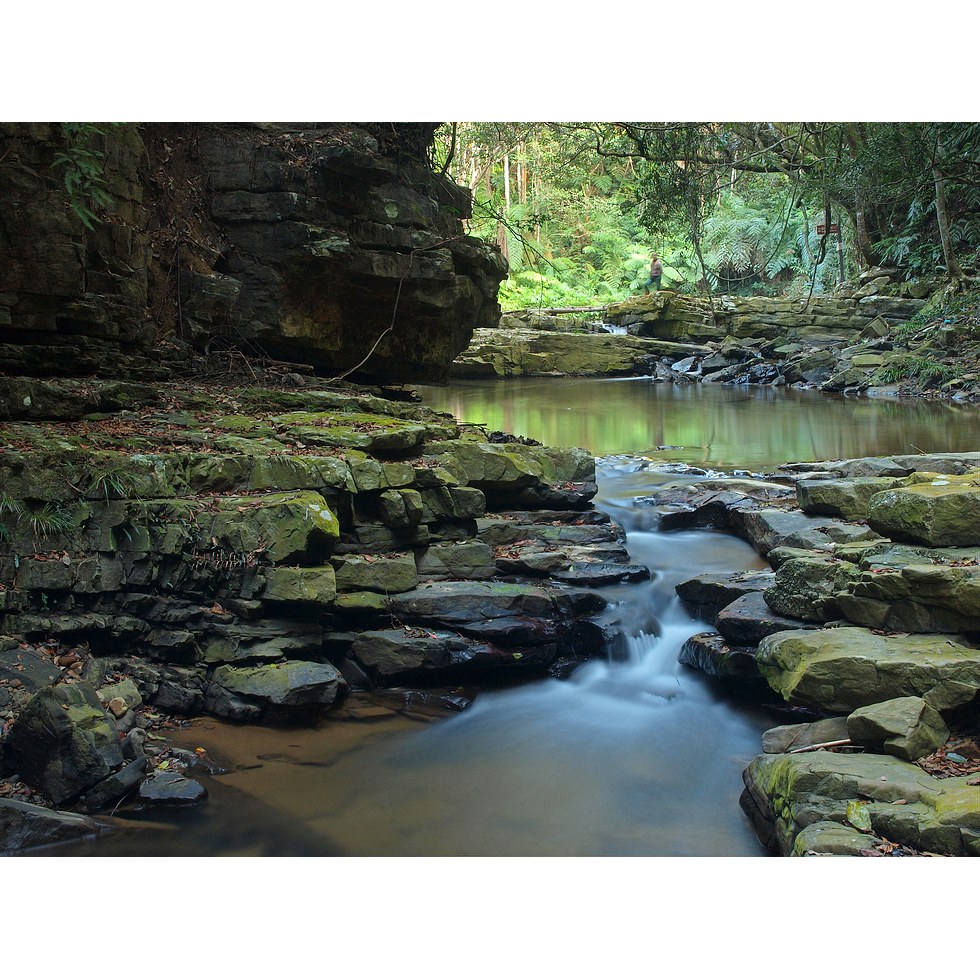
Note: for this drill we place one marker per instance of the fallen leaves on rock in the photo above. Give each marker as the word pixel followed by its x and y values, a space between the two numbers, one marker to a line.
pixel 958 757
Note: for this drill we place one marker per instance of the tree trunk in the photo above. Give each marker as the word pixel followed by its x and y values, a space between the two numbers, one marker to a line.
pixel 867 256
pixel 953 269
pixel 503 240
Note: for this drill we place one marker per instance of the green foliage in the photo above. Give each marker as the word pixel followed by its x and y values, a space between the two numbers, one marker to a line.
pixel 908 367
pixel 116 482
pixel 955 315
pixel 733 207
pixel 82 165
pixel 50 519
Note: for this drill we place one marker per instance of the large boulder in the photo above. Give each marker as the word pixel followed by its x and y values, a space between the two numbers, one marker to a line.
pixel 289 691
pixel 874 799
pixel 842 669
pixel 63 742
pixel 916 596
pixel 807 587
pixel 904 727
pixel 940 511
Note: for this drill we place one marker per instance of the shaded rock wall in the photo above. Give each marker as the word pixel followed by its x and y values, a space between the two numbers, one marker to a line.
pixel 71 298
pixel 307 244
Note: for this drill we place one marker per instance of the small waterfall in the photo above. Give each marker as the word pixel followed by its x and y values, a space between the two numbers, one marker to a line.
pixel 614 328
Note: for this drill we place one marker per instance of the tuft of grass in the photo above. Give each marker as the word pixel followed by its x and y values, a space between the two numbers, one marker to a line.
pixel 907 367
pixel 51 519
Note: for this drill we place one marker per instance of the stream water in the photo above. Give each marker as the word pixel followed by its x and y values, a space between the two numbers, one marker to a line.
pixel 641 757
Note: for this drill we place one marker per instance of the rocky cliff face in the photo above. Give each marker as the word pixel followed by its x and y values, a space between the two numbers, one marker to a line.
pixel 329 244
pixel 71 298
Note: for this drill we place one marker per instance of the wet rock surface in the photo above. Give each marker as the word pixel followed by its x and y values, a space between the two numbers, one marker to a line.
pixel 262 555
pixel 870 622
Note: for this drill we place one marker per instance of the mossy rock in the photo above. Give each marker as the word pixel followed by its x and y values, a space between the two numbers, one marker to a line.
pixel 938 511
pixel 385 575
pixel 908 728
pixel 401 508
pixel 842 669
pixel 286 527
pixel 459 560
pixel 841 498
pixel 903 804
pixel 914 597
pixel 807 587
pixel 63 742
pixel 285 472
pixel 294 687
pixel 316 586
pixel 511 465
pixel 376 434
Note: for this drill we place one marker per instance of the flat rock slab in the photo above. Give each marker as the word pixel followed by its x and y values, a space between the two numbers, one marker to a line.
pixel 945 511
pixel 747 620
pixel 27 665
pixel 706 595
pixel 877 795
pixel 593 574
pixel 488 607
pixel 24 826
pixel 771 528
pixel 842 669
pixel 171 789
pixel 399 654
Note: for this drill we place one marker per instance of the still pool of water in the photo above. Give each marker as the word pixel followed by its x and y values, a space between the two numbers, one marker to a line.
pixel 636 758
pixel 708 425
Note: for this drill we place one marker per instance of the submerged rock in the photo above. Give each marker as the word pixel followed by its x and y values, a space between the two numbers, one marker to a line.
pixel 162 788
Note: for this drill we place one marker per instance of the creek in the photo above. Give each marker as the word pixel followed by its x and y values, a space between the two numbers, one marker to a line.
pixel 634 757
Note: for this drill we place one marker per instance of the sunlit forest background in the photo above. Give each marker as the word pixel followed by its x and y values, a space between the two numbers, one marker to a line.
pixel 746 209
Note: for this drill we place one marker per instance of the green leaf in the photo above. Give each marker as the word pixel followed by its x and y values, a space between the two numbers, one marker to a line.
pixel 858 816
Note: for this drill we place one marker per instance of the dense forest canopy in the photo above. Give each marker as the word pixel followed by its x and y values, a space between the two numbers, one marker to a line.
pixel 744 208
